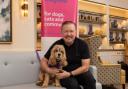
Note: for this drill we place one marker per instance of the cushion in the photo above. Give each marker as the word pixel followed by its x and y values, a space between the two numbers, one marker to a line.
pixel 29 86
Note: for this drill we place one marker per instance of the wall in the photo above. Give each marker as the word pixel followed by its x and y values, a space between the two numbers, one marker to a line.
pixel 23 29
pixel 117 3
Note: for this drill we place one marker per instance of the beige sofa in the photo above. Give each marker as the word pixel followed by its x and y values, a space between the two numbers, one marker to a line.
pixel 20 69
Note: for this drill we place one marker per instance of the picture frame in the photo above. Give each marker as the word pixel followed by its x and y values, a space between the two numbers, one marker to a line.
pixel 5 21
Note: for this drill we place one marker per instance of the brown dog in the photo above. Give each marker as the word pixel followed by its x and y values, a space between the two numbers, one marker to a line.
pixel 57 59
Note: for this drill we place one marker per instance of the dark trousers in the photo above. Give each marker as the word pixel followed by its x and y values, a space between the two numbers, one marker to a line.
pixel 86 80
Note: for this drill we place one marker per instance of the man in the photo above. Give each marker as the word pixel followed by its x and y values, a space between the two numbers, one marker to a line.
pixel 76 72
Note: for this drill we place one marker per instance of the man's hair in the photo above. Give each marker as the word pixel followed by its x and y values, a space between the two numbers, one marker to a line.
pixel 68 22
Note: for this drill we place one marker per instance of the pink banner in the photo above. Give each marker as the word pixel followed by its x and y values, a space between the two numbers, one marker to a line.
pixel 54 12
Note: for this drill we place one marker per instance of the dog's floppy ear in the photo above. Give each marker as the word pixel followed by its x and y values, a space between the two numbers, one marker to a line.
pixel 64 58
pixel 52 60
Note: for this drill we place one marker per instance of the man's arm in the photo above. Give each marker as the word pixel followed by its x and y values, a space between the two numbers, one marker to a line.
pixel 83 68
pixel 46 68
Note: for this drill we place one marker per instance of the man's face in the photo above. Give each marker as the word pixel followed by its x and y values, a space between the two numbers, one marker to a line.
pixel 69 33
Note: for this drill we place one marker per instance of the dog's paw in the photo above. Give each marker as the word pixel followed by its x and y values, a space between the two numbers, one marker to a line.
pixel 44 85
pixel 39 83
pixel 57 85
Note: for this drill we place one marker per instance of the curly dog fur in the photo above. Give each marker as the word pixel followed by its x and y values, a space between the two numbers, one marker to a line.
pixel 58 60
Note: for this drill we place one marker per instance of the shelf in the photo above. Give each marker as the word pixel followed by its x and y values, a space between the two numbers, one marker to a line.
pixel 118 17
pixel 85 35
pixel 39 4
pixel 118 30
pixel 38 12
pixel 94 18
pixel 92 22
pixel 117 42
pixel 126 55
pixel 102 50
pixel 38 20
pixel 91 13
pixel 90 17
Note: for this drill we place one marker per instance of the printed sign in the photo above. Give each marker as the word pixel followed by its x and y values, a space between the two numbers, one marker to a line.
pixel 54 12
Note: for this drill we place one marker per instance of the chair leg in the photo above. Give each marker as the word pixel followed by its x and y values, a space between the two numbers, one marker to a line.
pixel 123 86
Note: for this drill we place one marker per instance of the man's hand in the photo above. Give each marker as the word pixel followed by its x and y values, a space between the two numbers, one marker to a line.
pixel 52 70
pixel 62 74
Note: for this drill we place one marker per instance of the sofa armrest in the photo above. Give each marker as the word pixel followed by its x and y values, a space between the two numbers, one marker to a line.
pixel 118 65
pixel 109 74
pixel 93 70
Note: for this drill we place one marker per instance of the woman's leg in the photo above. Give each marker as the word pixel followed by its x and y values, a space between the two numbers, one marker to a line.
pixel 70 83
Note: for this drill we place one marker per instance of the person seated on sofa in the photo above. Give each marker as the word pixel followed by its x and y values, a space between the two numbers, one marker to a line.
pixel 76 72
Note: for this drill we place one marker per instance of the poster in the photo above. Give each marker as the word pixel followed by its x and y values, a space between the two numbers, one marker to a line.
pixel 53 13
pixel 5 21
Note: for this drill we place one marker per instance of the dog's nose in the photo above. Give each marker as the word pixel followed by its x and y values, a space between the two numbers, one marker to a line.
pixel 59 54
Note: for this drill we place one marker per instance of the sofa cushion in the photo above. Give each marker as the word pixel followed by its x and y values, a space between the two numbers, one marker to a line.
pixel 18 67
pixel 29 86
pixel 33 86
pixel 20 70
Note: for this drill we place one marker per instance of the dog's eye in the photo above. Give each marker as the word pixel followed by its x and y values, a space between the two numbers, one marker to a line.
pixel 61 51
pixel 56 50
